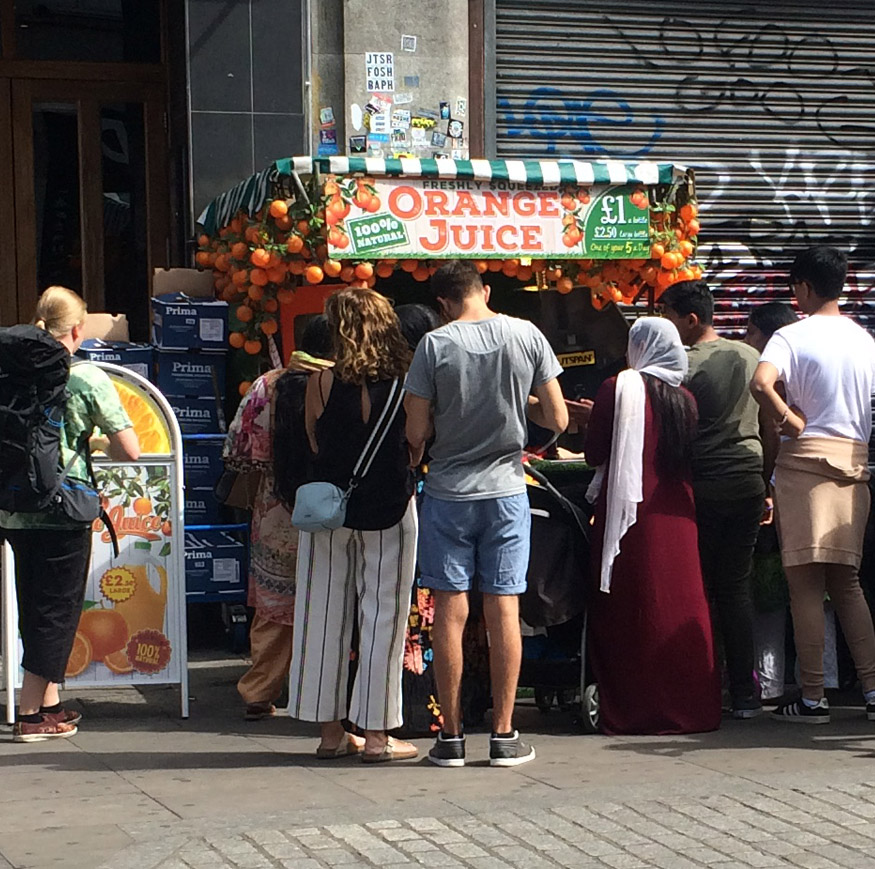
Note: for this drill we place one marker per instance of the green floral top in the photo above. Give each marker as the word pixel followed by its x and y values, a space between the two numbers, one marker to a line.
pixel 92 402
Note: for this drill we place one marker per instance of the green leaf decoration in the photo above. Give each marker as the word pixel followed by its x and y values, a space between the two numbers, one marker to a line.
pixel 165 550
pixel 143 544
pixel 89 605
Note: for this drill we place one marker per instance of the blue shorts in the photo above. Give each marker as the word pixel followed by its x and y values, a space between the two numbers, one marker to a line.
pixel 488 540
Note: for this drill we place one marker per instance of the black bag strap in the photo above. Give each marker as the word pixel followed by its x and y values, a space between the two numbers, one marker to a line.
pixel 378 435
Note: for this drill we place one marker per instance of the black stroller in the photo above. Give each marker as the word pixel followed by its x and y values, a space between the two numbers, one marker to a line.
pixel 554 659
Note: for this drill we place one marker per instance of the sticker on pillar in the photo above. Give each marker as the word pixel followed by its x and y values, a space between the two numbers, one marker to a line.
pixel 401 119
pixel 326 116
pixel 380 71
pixel 410 81
pixel 445 110
pixel 461 107
pixel 455 129
pixel 358 144
pixel 356 117
pixel 328 142
pixel 403 99
pixel 408 43
pixel 422 123
pixel 438 140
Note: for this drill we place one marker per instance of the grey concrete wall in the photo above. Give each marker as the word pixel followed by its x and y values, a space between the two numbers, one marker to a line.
pixel 437 71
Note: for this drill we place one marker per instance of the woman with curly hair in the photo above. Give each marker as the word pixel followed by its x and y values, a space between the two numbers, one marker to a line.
pixel 370 560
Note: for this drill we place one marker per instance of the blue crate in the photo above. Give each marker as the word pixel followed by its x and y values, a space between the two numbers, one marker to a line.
pixel 202 508
pixel 216 563
pixel 202 460
pixel 137 357
pixel 198 415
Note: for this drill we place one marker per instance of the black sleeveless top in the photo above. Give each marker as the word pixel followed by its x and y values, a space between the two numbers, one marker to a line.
pixel 381 498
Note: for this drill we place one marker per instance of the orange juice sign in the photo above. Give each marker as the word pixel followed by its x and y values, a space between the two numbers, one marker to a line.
pixel 448 218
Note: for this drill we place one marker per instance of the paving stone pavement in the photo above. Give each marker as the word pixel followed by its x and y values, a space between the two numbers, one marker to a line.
pixel 824 827
pixel 137 788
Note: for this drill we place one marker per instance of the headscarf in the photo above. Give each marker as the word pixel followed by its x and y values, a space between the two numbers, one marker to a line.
pixel 654 348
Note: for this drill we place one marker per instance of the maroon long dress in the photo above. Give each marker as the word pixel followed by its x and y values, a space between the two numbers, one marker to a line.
pixel 650 640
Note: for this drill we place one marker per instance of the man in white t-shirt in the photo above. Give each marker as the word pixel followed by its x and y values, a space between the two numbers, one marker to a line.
pixel 826 363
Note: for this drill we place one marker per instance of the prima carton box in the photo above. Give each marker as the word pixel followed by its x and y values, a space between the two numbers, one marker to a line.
pixel 191 372
pixel 182 322
pixel 137 357
pixel 198 415
pixel 215 563
pixel 202 460
pixel 201 507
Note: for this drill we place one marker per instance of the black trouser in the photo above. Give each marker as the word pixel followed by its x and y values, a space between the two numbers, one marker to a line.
pixel 727 536
pixel 51 568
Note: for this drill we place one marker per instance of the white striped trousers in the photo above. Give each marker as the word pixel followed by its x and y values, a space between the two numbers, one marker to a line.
pixel 336 568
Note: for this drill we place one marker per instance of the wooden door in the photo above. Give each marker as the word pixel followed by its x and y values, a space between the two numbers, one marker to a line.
pixel 90 192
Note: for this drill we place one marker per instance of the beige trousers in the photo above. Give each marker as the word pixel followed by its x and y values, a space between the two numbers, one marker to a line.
pixel 808 582
pixel 271 654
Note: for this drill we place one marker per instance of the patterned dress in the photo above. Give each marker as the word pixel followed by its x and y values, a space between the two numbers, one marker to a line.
pixel 273 540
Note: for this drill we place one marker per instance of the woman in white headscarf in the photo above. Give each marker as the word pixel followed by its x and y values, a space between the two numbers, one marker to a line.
pixel 650 640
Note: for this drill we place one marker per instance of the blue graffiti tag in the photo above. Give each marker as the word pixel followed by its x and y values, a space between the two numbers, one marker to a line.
pixel 551 116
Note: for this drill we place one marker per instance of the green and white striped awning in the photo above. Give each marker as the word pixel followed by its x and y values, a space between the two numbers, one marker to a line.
pixel 252 193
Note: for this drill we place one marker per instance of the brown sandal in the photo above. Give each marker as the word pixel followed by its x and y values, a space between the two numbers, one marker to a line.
pixel 395 750
pixel 257 711
pixel 347 748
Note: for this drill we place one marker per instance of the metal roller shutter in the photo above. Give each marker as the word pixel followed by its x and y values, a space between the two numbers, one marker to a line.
pixel 773 105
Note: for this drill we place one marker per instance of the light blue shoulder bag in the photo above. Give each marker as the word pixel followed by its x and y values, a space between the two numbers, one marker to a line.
pixel 322 506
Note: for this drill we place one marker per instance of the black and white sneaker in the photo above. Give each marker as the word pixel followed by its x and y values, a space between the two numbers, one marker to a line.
pixel 870 711
pixel 509 750
pixel 448 752
pixel 799 713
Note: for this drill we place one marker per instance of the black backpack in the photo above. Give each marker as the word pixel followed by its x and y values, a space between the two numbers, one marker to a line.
pixel 34 371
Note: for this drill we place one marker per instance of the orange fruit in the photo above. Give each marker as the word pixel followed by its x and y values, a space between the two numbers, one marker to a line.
pixel 236 339
pixel 148 421
pixel 270 305
pixel 363 271
pixel 278 208
pixel 142 506
pixel 203 241
pixel 667 260
pixel 253 348
pixel 384 270
pixel 657 251
pixel 332 268
pixel 80 656
pixel 284 296
pixel 118 662
pixel 303 227
pixel 239 250
pixel 244 314
pixel 564 285
pixel 686 248
pixel 296 267
pixel 255 293
pixel 409 265
pixel 347 273
pixel 221 263
pixel 314 275
pixel 243 388
pixel 687 212
pixel 258 277
pixel 294 244
pixel 693 227
pixel 240 277
pixel 269 326
pixel 106 630
pixel 259 258
pixel 203 258
pixel 494 265
pixel 284 223
pixel 421 273
pixel 277 274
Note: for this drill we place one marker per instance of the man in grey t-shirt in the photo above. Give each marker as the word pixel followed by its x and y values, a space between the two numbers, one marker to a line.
pixel 471 384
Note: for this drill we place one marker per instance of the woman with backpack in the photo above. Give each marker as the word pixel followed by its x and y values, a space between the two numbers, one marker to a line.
pixel 268 435
pixel 52 551
pixel 371 558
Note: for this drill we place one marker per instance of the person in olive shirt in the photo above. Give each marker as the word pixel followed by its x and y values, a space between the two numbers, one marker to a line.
pixel 728 479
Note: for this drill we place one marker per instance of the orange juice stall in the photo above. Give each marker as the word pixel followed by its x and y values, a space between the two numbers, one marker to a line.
pixel 132 630
pixel 281 240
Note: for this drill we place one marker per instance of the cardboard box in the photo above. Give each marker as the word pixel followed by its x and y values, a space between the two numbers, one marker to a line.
pixel 215 563
pixel 202 460
pixel 107 327
pixel 189 282
pixel 198 415
pixel 182 322
pixel 201 507
pixel 192 372
pixel 137 357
